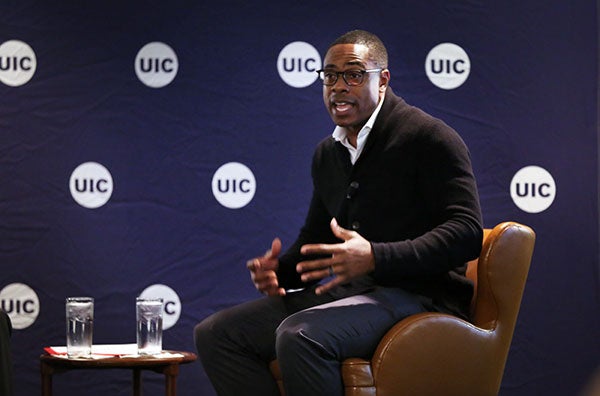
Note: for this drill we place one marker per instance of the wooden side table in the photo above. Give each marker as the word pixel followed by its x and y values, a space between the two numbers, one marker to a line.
pixel 169 366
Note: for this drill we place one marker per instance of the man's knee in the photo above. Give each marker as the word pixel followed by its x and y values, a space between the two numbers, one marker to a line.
pixel 286 334
pixel 207 333
pixel 295 336
pixel 201 334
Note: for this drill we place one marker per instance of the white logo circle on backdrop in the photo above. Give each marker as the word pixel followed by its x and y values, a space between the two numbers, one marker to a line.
pixel 172 303
pixel 297 64
pixel 17 63
pixel 91 185
pixel 533 189
pixel 156 65
pixel 21 303
pixel 447 65
pixel 233 185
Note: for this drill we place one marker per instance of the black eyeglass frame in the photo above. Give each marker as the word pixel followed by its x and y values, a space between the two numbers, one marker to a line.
pixel 343 74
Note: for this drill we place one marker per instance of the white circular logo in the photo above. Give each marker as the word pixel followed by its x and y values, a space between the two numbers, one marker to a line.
pixel 172 304
pixel 91 185
pixel 17 63
pixel 156 65
pixel 447 66
pixel 297 64
pixel 21 303
pixel 533 189
pixel 233 185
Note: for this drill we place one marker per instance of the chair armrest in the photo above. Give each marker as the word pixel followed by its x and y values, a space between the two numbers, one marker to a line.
pixel 425 353
pixel 357 372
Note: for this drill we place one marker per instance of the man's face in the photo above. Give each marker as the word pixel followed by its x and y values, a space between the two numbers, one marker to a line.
pixel 351 106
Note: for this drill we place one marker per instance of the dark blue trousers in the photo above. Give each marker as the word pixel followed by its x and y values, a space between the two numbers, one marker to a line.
pixel 309 335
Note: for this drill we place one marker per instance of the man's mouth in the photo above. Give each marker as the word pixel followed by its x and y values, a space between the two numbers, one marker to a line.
pixel 341 106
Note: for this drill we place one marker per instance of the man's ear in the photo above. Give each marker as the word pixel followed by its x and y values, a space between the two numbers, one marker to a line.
pixel 384 79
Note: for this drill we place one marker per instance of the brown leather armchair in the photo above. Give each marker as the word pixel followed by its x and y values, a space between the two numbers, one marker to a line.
pixel 438 354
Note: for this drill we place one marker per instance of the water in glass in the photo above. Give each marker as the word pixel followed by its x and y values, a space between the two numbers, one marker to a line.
pixel 149 326
pixel 80 326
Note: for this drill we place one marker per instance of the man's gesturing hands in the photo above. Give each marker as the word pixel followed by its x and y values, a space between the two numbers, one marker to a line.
pixel 349 259
pixel 262 271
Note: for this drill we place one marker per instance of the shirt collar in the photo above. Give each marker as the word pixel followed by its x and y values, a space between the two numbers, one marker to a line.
pixel 340 134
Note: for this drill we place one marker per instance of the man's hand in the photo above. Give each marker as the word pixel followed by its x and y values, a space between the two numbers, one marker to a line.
pixel 350 259
pixel 262 271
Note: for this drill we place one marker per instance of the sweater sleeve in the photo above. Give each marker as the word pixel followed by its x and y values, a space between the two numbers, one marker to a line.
pixel 446 183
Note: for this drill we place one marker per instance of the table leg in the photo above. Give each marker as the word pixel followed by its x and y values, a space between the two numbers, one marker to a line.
pixel 137 382
pixel 171 371
pixel 46 372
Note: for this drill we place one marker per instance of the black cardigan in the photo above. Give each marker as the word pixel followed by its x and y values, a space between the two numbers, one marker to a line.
pixel 412 194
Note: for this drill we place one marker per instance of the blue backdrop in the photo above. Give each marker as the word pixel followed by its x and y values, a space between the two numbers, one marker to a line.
pixel 82 82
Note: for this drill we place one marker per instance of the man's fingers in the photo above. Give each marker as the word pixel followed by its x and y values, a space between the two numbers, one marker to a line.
pixel 319 248
pixel 265 280
pixel 281 291
pixel 253 265
pixel 261 263
pixel 269 286
pixel 275 248
pixel 328 286
pixel 338 231
pixel 274 292
pixel 313 265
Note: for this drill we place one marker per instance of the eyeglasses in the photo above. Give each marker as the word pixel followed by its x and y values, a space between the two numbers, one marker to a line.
pixel 351 77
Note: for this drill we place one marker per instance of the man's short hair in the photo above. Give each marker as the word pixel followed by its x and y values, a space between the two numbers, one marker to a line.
pixel 377 51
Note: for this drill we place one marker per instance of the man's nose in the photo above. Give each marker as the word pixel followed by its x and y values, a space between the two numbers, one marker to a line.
pixel 340 85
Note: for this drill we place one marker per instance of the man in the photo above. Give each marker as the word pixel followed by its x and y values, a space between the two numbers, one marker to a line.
pixel 393 218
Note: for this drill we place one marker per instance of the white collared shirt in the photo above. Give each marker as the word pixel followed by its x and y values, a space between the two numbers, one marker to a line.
pixel 340 134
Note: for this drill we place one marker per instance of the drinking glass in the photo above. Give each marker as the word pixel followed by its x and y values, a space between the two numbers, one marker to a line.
pixel 149 317
pixel 80 326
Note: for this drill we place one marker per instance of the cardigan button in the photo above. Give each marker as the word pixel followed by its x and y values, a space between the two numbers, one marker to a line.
pixel 352 189
pixel 355 225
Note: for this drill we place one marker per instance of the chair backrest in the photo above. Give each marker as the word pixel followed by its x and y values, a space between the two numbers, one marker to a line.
pixel 501 272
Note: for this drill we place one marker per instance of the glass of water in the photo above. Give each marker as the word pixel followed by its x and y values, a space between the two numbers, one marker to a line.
pixel 149 317
pixel 80 326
